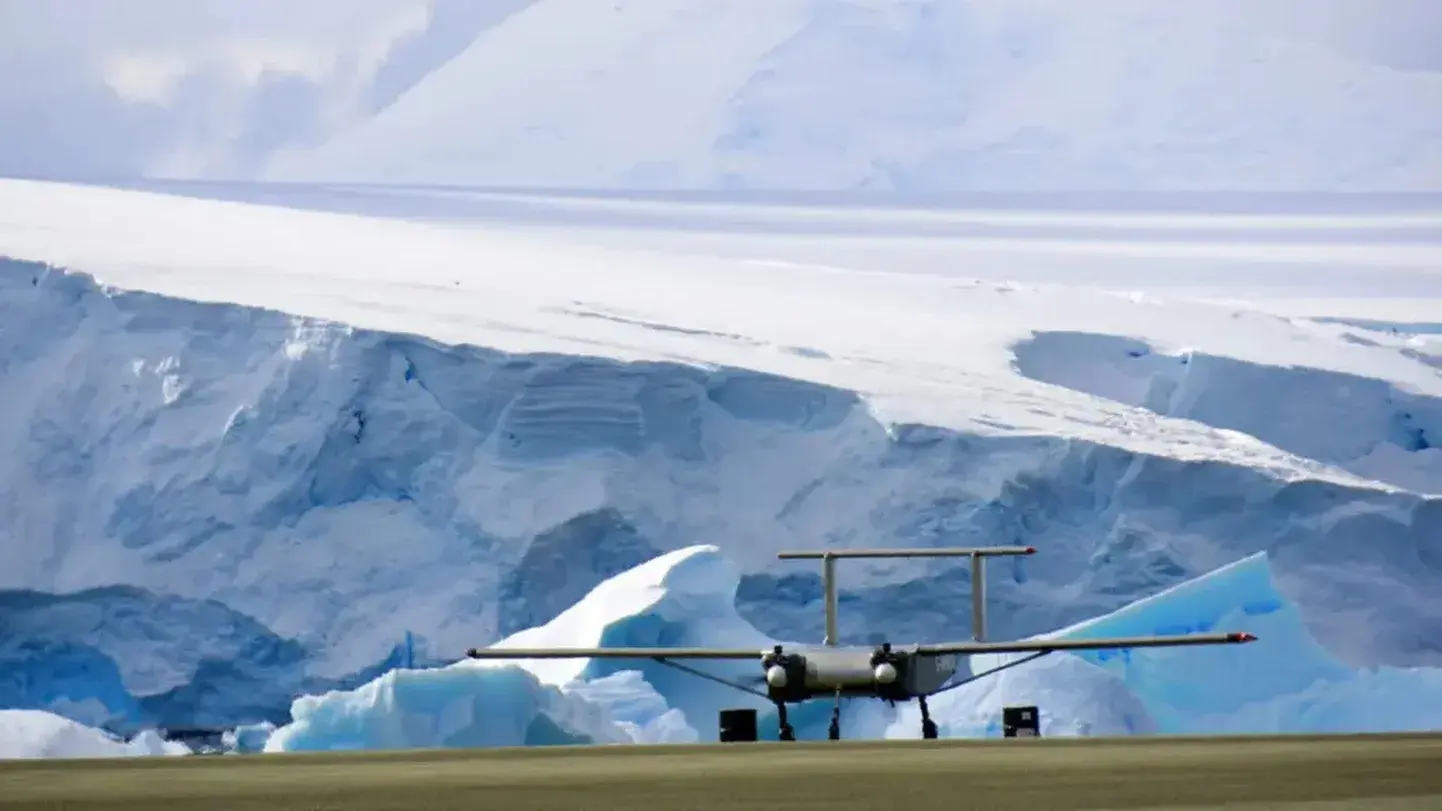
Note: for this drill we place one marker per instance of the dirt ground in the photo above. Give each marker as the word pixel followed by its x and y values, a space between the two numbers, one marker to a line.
pixel 1380 773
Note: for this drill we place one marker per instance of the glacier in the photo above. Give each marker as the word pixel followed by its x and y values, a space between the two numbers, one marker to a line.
pixel 247 468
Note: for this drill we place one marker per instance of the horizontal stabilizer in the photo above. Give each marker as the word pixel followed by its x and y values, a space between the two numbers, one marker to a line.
pixel 942 552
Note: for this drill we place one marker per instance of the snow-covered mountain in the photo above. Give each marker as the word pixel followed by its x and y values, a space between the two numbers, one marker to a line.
pixel 785 94
pixel 259 451
pixel 918 95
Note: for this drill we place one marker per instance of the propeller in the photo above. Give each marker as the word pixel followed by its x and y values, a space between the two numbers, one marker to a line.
pixel 883 664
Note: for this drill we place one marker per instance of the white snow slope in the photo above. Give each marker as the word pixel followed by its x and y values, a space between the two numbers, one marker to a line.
pixel 918 95
pixel 275 451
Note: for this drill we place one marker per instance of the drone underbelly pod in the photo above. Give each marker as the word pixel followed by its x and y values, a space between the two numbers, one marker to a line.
pixel 828 670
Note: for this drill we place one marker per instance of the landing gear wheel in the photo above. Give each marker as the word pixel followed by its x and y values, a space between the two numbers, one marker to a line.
pixel 928 727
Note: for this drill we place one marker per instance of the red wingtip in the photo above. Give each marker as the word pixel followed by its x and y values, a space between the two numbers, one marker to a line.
pixel 1242 637
pixel 1031 550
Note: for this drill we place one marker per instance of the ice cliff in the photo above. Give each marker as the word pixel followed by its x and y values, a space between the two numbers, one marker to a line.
pixel 207 510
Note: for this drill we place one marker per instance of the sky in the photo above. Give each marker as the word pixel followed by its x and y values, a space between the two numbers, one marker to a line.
pixel 197 86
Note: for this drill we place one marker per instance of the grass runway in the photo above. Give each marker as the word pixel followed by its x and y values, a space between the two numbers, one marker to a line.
pixel 1378 773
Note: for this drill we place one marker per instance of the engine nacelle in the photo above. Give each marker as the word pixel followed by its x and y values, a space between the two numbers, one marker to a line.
pixel 785 675
pixel 891 669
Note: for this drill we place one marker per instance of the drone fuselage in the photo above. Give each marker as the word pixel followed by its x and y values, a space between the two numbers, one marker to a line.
pixel 887 673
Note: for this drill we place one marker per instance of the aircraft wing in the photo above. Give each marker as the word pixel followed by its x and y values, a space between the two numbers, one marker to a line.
pixel 615 653
pixel 1040 645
